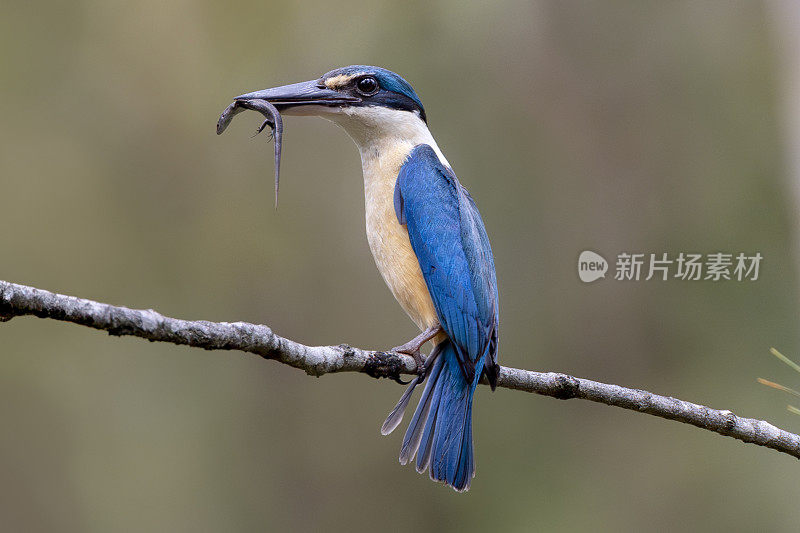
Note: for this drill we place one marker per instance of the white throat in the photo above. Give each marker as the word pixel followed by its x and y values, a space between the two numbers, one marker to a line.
pixel 378 131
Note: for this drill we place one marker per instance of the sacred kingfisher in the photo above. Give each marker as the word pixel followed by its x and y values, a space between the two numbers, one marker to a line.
pixel 430 246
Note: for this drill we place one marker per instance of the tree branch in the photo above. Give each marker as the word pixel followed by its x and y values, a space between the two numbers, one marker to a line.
pixel 20 300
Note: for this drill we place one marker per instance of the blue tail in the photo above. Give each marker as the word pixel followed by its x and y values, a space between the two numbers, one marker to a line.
pixel 440 433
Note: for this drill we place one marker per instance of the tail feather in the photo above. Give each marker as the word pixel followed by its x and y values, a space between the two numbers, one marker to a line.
pixel 453 432
pixel 440 433
pixel 465 473
pixel 413 436
pixel 396 416
pixel 424 457
pixel 426 448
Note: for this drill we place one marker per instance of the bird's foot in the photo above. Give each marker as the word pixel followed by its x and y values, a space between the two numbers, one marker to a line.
pixel 412 350
pixel 416 354
pixel 413 346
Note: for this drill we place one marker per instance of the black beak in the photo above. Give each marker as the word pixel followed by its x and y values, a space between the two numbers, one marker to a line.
pixel 311 92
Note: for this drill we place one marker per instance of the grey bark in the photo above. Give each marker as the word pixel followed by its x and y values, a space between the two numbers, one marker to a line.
pixel 19 300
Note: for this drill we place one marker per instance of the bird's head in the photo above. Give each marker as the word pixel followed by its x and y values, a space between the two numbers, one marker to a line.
pixel 368 102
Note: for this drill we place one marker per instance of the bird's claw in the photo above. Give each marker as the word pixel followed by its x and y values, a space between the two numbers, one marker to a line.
pixel 415 353
pixel 413 346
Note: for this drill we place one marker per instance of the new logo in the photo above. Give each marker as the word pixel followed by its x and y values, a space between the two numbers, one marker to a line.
pixel 591 266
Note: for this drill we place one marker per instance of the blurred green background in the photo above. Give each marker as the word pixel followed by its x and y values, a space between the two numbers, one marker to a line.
pixel 611 126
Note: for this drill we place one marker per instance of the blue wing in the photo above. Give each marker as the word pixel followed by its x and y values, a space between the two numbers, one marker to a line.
pixel 448 236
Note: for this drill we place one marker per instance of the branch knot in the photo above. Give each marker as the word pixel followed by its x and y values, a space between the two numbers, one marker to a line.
pixel 384 365
pixel 566 387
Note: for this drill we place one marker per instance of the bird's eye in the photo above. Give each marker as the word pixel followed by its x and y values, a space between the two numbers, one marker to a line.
pixel 367 86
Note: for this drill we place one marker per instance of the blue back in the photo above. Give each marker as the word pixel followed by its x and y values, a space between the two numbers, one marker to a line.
pixel 449 238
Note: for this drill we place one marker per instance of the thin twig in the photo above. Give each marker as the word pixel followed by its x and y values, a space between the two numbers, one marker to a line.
pixel 20 300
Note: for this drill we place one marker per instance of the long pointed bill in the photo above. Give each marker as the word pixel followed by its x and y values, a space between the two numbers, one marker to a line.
pixel 270 102
pixel 303 93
